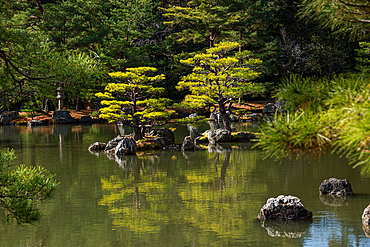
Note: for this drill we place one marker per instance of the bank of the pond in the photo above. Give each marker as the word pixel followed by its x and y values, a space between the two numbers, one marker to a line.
pixel 46 117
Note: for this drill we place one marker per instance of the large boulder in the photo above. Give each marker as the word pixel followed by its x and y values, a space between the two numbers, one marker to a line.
pixel 62 117
pixel 164 132
pixel 271 109
pixel 335 187
pixel 284 208
pixel 7 116
pixel 127 146
pixel 218 135
pixel 86 119
pixel 366 216
pixel 112 144
pixel 245 136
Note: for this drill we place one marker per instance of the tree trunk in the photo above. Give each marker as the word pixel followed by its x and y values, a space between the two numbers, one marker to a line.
pixel 225 117
pixel 43 103
pixel 138 134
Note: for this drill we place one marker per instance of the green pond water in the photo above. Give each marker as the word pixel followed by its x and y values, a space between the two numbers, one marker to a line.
pixel 167 198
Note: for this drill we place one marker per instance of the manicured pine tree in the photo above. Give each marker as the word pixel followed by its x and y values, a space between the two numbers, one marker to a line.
pixel 133 100
pixel 218 79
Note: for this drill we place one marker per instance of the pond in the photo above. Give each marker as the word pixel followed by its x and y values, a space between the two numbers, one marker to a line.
pixel 167 198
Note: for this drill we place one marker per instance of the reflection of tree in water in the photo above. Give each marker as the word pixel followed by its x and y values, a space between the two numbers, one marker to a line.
pixel 126 162
pixel 286 228
pixel 218 149
pixel 207 191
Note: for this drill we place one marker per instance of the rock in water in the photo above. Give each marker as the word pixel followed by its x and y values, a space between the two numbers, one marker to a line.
pixel 112 144
pixel 366 216
pixel 126 146
pixel 219 135
pixel 336 187
pixel 96 146
pixel 187 145
pixel 284 208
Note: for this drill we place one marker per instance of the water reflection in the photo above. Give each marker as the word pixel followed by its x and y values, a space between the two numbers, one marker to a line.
pixel 286 228
pixel 335 201
pixel 210 197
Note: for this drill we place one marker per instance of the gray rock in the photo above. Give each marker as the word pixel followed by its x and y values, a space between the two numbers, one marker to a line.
pixel 7 116
pixel 164 132
pixel 187 145
pixel 245 136
pixel 194 133
pixel 366 216
pixel 97 146
pixel 34 123
pixel 284 208
pixel 62 117
pixel 86 119
pixel 218 135
pixel 113 143
pixel 127 146
pixel 271 109
pixel 336 187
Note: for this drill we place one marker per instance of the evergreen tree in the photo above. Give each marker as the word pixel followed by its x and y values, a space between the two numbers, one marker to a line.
pixel 133 100
pixel 218 79
pixel 22 188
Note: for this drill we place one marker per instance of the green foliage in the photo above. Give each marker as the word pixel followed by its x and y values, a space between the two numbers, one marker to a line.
pixel 363 61
pixel 346 16
pixel 340 120
pixel 22 188
pixel 205 20
pixel 134 101
pixel 296 134
pixel 303 93
pixel 196 119
pixel 31 67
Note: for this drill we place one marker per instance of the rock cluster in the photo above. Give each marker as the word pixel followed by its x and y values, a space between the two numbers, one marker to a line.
pixel 125 145
pixel 335 187
pixel 284 208
pixel 7 116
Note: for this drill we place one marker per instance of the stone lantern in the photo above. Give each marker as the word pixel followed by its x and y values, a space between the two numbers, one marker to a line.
pixel 60 98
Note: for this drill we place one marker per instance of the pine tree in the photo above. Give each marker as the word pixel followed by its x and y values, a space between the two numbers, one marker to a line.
pixel 133 100
pixel 218 79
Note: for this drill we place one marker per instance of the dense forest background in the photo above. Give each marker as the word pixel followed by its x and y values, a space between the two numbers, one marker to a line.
pixel 75 44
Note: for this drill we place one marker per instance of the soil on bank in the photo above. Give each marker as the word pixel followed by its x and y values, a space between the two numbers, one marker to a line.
pixel 48 116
